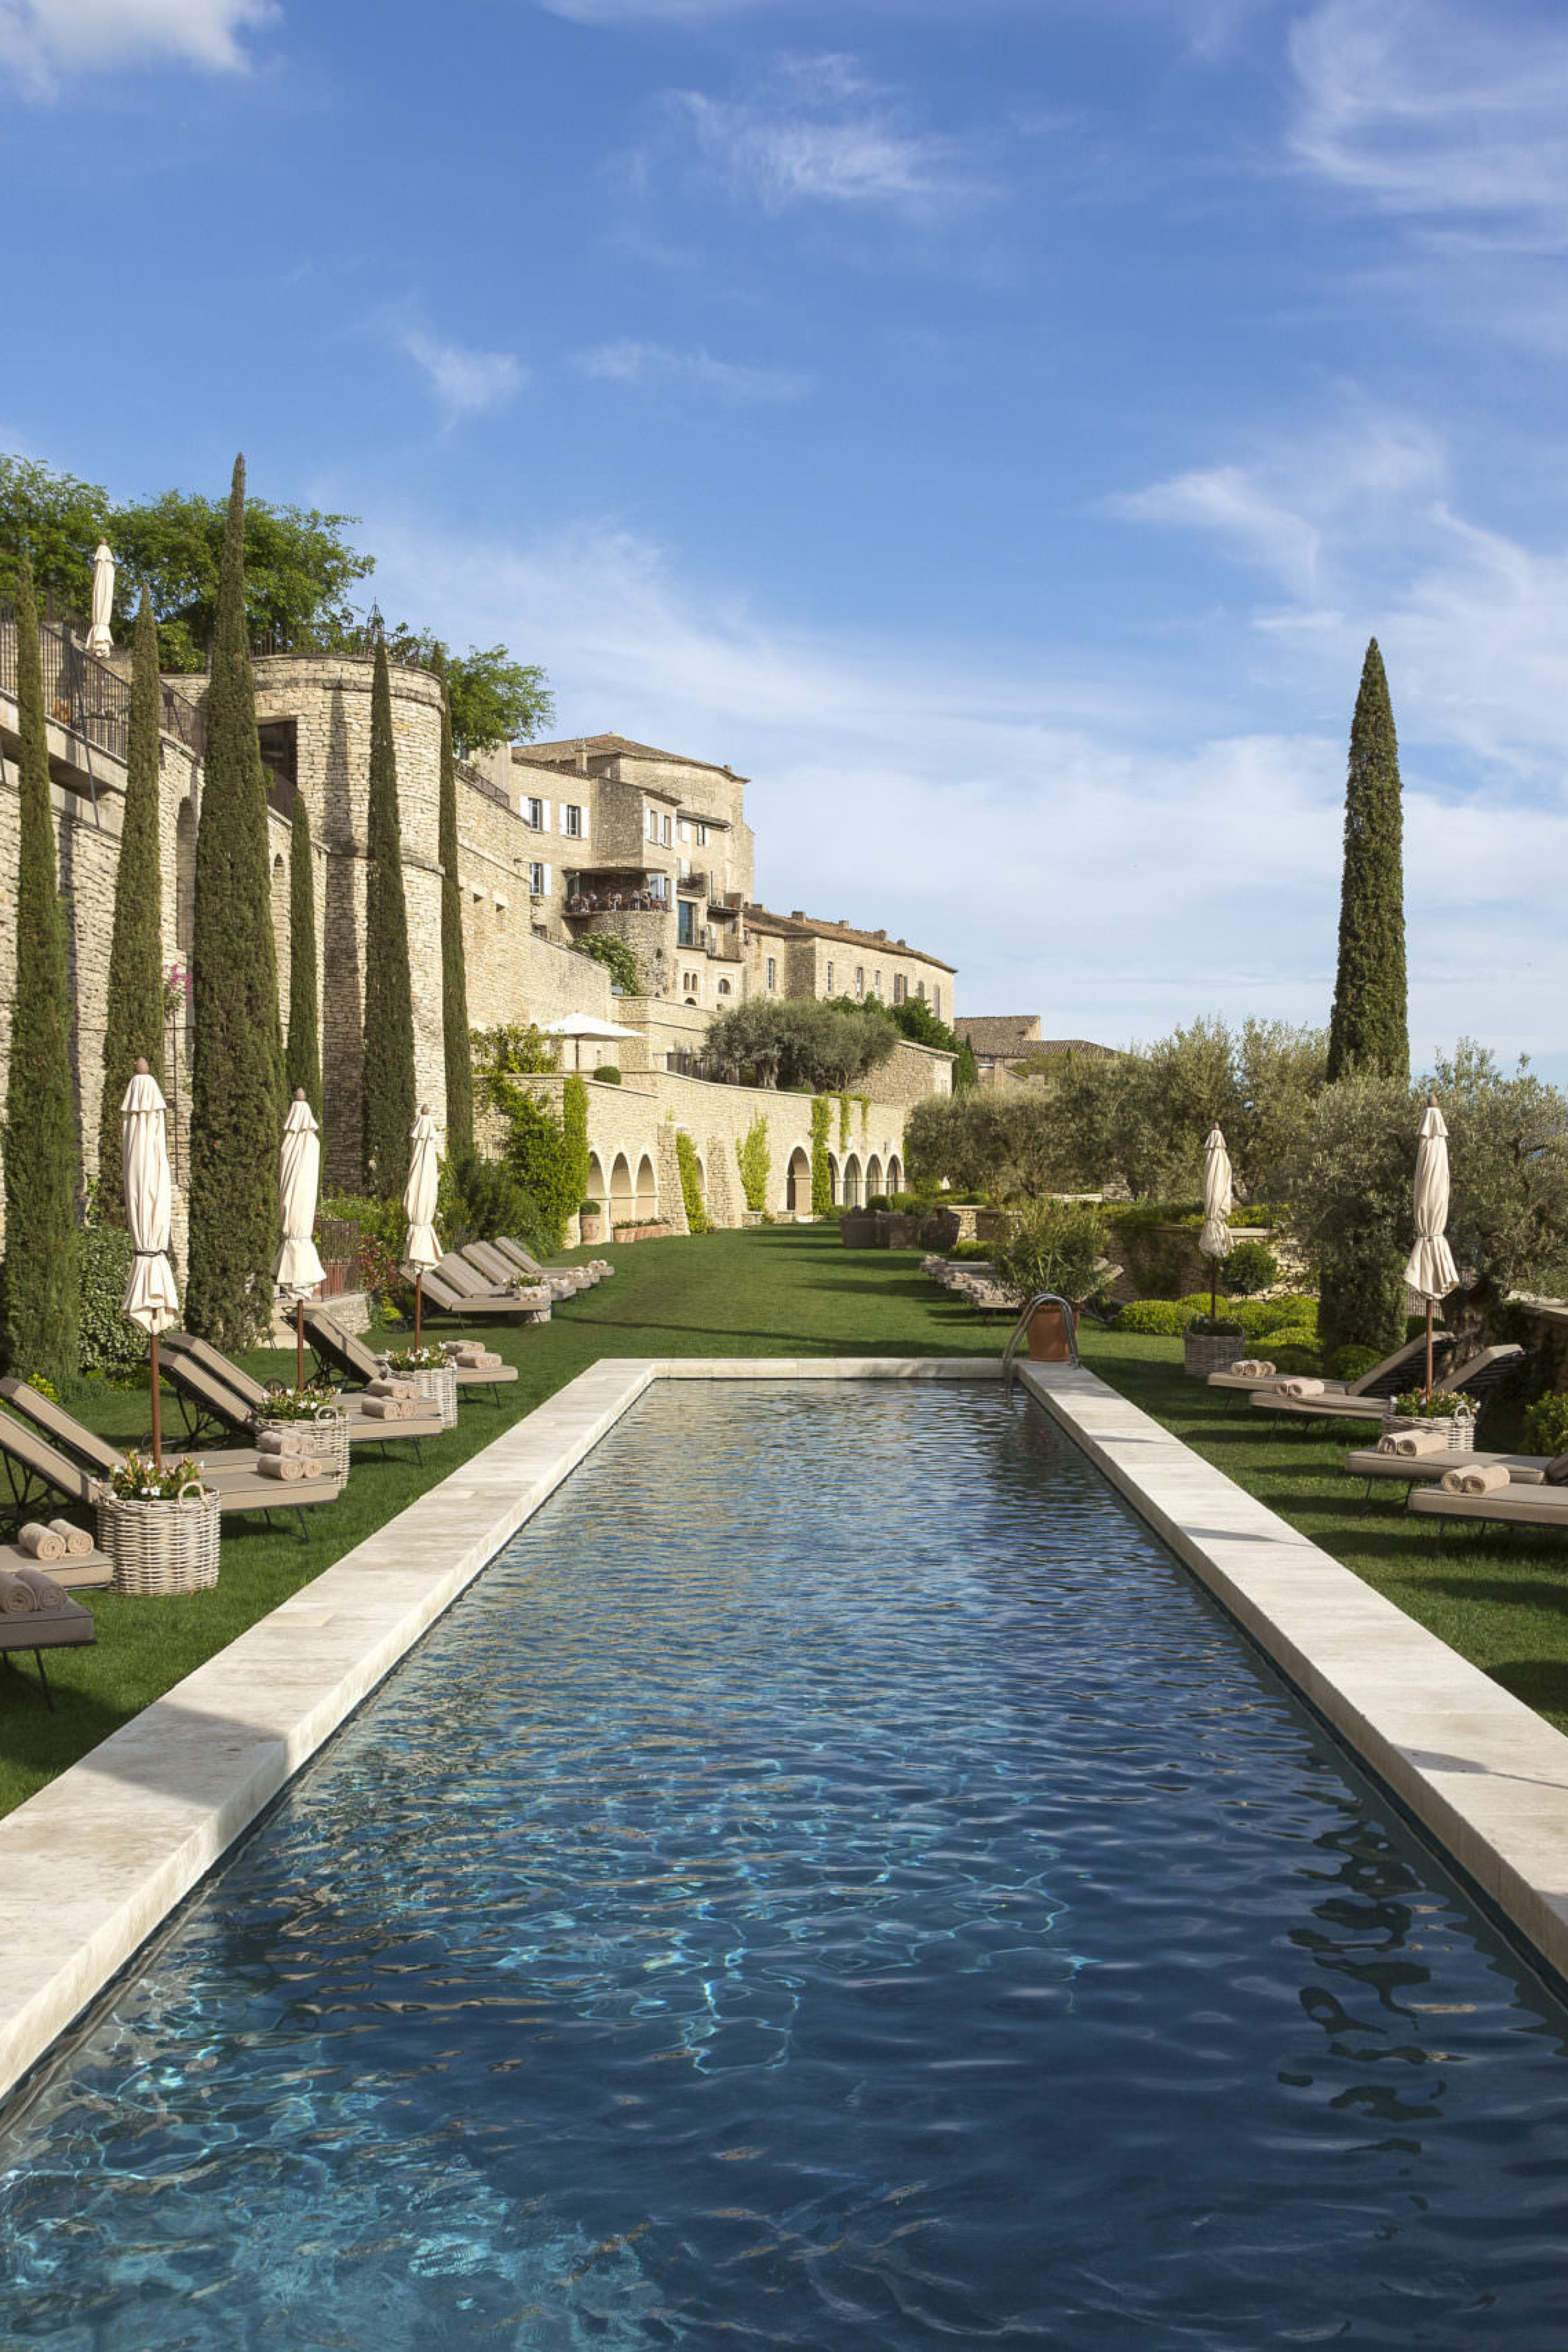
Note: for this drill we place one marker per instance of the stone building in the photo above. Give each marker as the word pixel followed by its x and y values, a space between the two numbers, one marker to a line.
pixel 996 1040
pixel 799 955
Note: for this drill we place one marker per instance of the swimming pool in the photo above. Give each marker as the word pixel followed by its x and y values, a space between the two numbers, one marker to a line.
pixel 836 1879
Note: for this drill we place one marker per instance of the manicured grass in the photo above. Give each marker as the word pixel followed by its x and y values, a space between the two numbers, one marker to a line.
pixel 793 1290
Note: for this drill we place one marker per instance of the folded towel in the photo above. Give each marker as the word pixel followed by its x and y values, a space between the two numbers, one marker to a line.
pixel 1303 1388
pixel 388 1408
pixel 41 1542
pixel 289 1467
pixel 284 1440
pixel 1489 1480
pixel 48 1598
pixel 17 1599
pixel 312 1465
pixel 390 1385
pixel 1252 1368
pixel 77 1541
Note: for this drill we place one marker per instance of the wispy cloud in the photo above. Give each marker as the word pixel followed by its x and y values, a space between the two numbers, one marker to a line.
pixel 466 382
pixel 42 40
pixel 818 132
pixel 633 362
pixel 1438 111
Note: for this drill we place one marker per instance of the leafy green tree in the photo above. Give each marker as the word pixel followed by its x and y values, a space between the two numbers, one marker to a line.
pixel 821 1175
pixel 237 1079
pixel 698 1220
pixel 575 1126
pixel 493 699
pixel 966 1070
pixel 614 952
pixel 39 1300
pixel 133 1021
pixel 1369 1028
pixel 1057 1246
pixel 299 571
pixel 755 1162
pixel 509 1051
pixel 544 1160
pixel 386 1101
pixel 801 1042
pixel 56 522
pixel 459 1068
pixel 302 1058
pixel 991 1143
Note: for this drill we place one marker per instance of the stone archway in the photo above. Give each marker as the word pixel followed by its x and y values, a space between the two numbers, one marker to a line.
pixel 895 1173
pixel 833 1183
pixel 852 1182
pixel 623 1199
pixel 647 1191
pixel 798 1181
pixel 597 1189
pixel 873 1176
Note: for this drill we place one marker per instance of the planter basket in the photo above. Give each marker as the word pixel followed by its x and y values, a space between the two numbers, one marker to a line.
pixel 162 1546
pixel 1459 1429
pixel 330 1432
pixel 437 1384
pixel 1206 1352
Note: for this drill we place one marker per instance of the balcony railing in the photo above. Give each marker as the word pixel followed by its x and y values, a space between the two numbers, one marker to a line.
pixel 83 694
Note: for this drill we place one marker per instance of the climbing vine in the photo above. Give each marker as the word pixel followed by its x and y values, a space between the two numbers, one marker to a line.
pixel 844 1122
pixel 696 1217
pixel 821 1179
pixel 754 1161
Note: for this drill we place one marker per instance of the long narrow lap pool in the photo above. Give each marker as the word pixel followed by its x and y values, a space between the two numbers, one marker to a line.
pixel 836 1882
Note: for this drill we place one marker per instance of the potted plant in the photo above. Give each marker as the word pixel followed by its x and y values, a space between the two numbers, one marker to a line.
pixel 318 1405
pixel 591 1222
pixel 430 1370
pixel 1055 1245
pixel 1453 1415
pixel 1211 1343
pixel 159 1526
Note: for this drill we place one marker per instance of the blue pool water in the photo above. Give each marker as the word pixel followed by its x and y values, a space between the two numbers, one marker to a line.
pixel 835 1883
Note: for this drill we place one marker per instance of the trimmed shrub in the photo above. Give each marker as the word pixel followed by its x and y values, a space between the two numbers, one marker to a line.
pixel 1289 1357
pixel 1155 1319
pixel 1054 1246
pixel 1250 1265
pixel 756 1161
pixel 1348 1364
pixel 1293 1336
pixel 488 1200
pixel 608 1075
pixel 821 1175
pixel 696 1218
pixel 963 1252
pixel 110 1344
pixel 1546 1424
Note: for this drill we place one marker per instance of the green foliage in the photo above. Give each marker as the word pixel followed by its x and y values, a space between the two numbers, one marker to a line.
pixel 1415 1404
pixel 821 1175
pixel 696 1218
pixel 493 699
pixel 236 1084
pixel 513 1049
pixel 1054 1246
pixel 1546 1424
pixel 985 1142
pixel 456 1060
pixel 1292 1317
pixel 1348 1363
pixel 915 1020
pixel 575 1124
pixel 966 1070
pixel 798 1041
pixel 110 1343
pixel 1292 1355
pixel 302 1056
pixel 608 1074
pixel 299 569
pixel 550 1165
pixel 1216 1327
pixel 1154 1318
pixel 969 1253
pixel 844 1129
pixel 616 954
pixel 755 1162
pixel 1250 1266
pixel 488 1200
pixel 56 522
pixel 386 1096
pixel 133 1015
pixel 1369 1029
pixel 39 1299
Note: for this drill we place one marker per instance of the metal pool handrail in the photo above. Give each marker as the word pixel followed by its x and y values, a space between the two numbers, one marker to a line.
pixel 1040 1299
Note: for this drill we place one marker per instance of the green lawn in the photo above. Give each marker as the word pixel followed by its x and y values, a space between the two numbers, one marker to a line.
pixel 781 1290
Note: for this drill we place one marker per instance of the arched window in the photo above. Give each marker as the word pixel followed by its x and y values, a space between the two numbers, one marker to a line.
pixel 797 1181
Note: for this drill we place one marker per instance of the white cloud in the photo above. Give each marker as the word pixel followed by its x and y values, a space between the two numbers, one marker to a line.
pixel 42 39
pixel 466 382
pixel 648 364
pixel 1076 842
pixel 1438 111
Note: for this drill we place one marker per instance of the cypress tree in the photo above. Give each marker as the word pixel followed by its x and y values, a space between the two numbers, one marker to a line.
pixel 39 1308
pixel 454 968
pixel 1369 1029
pixel 237 1078
pixel 133 1025
pixel 386 1102
pixel 1362 1287
pixel 302 1062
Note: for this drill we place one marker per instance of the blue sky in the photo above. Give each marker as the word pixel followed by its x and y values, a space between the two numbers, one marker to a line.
pixel 994 426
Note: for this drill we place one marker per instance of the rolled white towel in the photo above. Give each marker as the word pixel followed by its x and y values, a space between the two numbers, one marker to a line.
pixel 1303 1388
pixel 312 1465
pixel 1414 1442
pixel 41 1542
pixel 16 1597
pixel 283 1441
pixel 288 1467
pixel 388 1408
pixel 393 1385
pixel 77 1541
pixel 1488 1479
pixel 47 1596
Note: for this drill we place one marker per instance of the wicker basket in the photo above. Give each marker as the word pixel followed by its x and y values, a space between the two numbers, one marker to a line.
pixel 1459 1429
pixel 329 1428
pixel 160 1545
pixel 1204 1352
pixel 438 1383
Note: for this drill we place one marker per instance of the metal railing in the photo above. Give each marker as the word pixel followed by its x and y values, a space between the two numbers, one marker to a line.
pixel 85 696
pixel 1069 1321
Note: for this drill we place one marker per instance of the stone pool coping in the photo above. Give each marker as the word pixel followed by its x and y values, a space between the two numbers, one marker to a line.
pixel 93 1864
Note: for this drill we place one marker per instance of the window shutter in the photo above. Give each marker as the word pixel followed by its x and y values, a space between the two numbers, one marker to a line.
pixel 547 881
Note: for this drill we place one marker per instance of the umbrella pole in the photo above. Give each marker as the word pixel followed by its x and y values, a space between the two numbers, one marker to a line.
pixel 1430 1351
pixel 157 1410
pixel 299 1343
pixel 418 1299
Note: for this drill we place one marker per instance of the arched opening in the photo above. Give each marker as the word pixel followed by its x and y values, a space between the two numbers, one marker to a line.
pixel 186 877
pixel 797 1181
pixel 852 1182
pixel 833 1178
pixel 597 1188
pixel 280 919
pixel 647 1191
pixel 623 1201
pixel 873 1176
pixel 724 989
pixel 895 1173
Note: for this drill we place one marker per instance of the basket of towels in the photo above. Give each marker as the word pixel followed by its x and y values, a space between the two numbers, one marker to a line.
pixel 427 1387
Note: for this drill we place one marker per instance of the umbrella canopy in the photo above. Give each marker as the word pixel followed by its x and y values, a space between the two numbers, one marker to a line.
pixel 298 1268
pixel 585 1025
pixel 1215 1239
pixel 100 637
pixel 1430 1270
pixel 151 1298
pixel 423 1249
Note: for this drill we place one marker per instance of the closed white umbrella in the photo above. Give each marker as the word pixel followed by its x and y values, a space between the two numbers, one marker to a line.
pixel 100 636
pixel 422 1248
pixel 1215 1239
pixel 151 1298
pixel 1430 1270
pixel 298 1269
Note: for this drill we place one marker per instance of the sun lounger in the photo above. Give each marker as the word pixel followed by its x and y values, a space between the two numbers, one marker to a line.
pixel 43 1629
pixel 1427 1469
pixel 525 1263
pixel 217 1395
pixel 1475 1379
pixel 496 1272
pixel 1385 1380
pixel 456 1289
pixel 344 1353
pixel 1512 1505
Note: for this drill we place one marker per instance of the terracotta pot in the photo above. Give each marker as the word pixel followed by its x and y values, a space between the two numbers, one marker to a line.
pixel 1049 1336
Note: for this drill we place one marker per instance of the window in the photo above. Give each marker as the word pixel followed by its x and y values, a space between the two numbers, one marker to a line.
pixel 723 988
pixel 536 881
pixel 653 824
pixel 685 829
pixel 936 1001
pixel 898 988
pixel 919 987
pixel 667 833
pixel 533 815
pixel 702 836
pixel 571 821
pixel 772 972
pixel 827 980
pixel 686 923
pixel 876 984
pixel 859 980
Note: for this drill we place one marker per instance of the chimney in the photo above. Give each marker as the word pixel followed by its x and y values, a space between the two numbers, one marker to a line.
pixel 797 914
pixel 882 935
pixel 581 756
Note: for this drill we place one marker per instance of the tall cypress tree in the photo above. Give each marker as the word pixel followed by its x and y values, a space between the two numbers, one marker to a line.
pixel 1362 1288
pixel 1370 1028
pixel 386 1102
pixel 39 1305
pixel 454 966
pixel 133 1025
pixel 302 1061
pixel 237 1078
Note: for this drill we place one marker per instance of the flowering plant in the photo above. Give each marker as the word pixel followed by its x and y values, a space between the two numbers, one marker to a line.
pixel 426 1359
pixel 138 1479
pixel 308 1404
pixel 1417 1405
